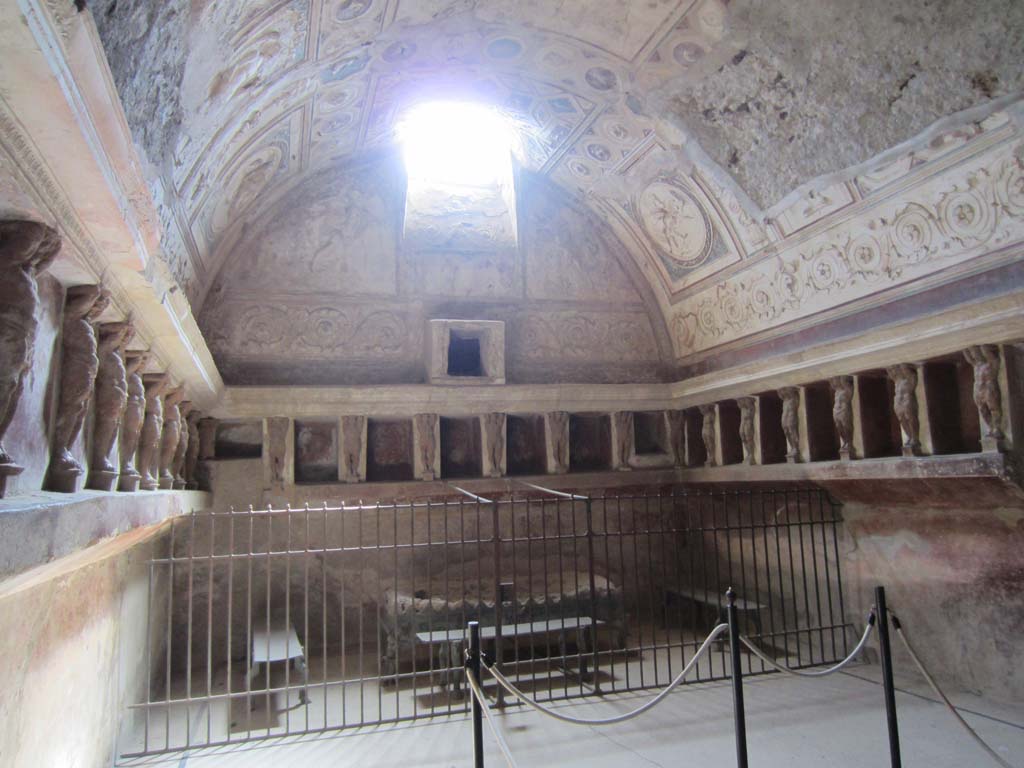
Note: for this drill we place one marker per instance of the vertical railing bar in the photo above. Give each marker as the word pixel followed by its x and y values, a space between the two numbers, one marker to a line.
pixel 839 576
pixel 398 645
pixel 498 606
pixel 803 572
pixel 651 587
pixel 362 619
pixel 595 656
pixel 323 610
pixel 412 581
pixel 817 578
pixel 792 578
pixel 305 618
pixel 430 601
pixel 248 630
pixel 782 574
pixel 718 575
pixel 625 591
pixel 743 564
pixel 188 652
pixel 447 598
pixel 170 623
pixel 530 598
pixel 209 629
pixel 270 566
pixel 564 647
pixel 380 591
pixel 149 651
pixel 576 580
pixel 757 569
pixel 729 533
pixel 639 607
pixel 231 616
pixel 608 590
pixel 287 618
pixel 828 575
pixel 515 581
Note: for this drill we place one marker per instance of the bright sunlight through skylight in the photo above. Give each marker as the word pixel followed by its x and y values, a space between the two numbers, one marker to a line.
pixel 452 142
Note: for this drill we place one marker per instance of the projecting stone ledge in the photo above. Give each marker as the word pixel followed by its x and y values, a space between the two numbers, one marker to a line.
pixel 40 527
pixel 974 479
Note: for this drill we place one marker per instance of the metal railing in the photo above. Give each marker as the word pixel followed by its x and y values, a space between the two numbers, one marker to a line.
pixel 264 623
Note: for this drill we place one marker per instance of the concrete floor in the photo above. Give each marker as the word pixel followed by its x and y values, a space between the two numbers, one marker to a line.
pixel 835 721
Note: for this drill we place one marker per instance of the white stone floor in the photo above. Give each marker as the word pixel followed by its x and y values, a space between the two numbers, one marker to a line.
pixel 830 722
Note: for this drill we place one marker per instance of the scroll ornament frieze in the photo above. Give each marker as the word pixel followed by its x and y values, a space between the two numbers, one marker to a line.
pixel 279 329
pixel 982 210
pixel 591 336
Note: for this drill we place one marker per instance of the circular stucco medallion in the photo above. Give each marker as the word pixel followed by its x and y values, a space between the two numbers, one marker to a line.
pixel 676 223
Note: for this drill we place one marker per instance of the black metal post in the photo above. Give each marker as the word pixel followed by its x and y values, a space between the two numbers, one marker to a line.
pixel 737 681
pixel 888 686
pixel 473 662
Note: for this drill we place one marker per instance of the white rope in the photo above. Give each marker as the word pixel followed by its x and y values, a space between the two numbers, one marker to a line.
pixel 812 673
pixel 508 686
pixel 502 745
pixel 938 692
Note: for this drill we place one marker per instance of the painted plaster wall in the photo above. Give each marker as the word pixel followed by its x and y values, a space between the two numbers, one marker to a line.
pixel 72 654
pixel 955 577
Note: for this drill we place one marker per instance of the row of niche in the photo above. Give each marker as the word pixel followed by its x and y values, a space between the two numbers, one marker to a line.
pixel 955 404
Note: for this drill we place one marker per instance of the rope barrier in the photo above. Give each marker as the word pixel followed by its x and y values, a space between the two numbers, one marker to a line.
pixel 474 686
pixel 945 700
pixel 815 673
pixel 528 701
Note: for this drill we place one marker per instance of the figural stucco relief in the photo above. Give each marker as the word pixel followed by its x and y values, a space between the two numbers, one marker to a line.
pixel 958 215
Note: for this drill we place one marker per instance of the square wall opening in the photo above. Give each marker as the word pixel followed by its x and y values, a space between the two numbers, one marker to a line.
pixel 461 452
pixel 525 449
pixel 316 451
pixel 389 451
pixel 464 355
pixel 590 442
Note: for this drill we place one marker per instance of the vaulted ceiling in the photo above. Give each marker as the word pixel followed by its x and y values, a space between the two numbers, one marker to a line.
pixel 682 126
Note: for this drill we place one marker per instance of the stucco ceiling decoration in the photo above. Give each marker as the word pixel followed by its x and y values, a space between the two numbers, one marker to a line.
pixel 613 101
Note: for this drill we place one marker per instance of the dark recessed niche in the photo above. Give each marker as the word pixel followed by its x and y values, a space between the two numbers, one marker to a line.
pixel 729 431
pixel 525 447
pixel 822 438
pixel 955 424
pixel 649 434
pixel 239 440
pixel 590 442
pixel 389 451
pixel 696 452
pixel 316 451
pixel 881 428
pixel 773 438
pixel 464 355
pixel 461 454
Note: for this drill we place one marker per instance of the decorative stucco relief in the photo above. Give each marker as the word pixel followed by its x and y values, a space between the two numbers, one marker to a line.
pixel 576 336
pixel 258 330
pixel 960 214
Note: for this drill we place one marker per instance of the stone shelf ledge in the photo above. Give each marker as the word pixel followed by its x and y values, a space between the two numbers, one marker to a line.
pixel 975 479
pixel 38 527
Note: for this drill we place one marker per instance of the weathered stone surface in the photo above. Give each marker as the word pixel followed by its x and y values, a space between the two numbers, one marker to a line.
pixel 178 462
pixel 558 442
pixel 985 361
pixel 149 442
pixel 748 432
pixel 857 78
pixel 131 424
pixel 192 454
pixel 708 434
pixel 842 413
pixel 111 399
pixel 494 429
pixel 904 378
pixel 26 249
pixel 170 435
pixel 79 364
pixel 791 421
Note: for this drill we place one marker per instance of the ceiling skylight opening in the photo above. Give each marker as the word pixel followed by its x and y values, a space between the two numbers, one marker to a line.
pixel 453 142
